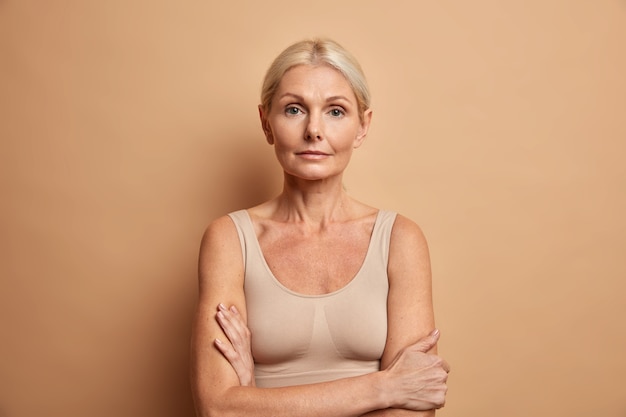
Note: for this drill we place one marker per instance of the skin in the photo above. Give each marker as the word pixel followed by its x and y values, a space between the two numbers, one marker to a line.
pixel 314 126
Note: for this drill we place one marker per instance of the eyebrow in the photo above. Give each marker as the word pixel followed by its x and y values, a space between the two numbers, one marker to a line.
pixel 300 98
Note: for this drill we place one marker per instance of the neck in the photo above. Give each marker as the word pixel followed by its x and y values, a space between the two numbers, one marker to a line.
pixel 313 202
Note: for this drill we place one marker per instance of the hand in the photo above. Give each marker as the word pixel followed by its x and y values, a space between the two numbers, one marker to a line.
pixel 238 351
pixel 418 379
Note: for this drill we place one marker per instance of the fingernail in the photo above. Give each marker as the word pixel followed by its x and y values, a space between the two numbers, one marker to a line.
pixel 435 332
pixel 218 341
pixel 234 309
pixel 221 306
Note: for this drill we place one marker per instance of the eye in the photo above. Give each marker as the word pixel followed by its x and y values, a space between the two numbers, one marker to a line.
pixel 336 112
pixel 292 111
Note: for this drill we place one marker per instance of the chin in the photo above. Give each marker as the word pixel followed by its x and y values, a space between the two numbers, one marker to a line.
pixel 309 176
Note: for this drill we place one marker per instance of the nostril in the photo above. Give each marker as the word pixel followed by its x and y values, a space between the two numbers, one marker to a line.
pixel 310 135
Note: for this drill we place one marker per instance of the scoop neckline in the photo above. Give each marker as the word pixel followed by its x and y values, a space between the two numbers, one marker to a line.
pixel 304 295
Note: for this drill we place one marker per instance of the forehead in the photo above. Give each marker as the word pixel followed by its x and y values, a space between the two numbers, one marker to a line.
pixel 315 79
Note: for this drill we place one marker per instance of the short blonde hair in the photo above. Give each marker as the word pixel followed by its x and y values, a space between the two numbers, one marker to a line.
pixel 316 52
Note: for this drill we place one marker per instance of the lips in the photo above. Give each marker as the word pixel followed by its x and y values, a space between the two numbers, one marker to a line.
pixel 312 153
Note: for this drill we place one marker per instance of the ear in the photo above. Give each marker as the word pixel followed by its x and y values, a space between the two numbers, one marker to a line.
pixel 363 129
pixel 265 126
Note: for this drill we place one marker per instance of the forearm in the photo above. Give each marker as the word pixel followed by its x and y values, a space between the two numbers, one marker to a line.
pixel 396 412
pixel 414 380
pixel 347 397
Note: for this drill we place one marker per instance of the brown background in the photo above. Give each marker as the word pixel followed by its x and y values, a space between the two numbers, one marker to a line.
pixel 128 125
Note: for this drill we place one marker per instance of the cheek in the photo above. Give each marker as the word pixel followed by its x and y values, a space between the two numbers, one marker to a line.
pixel 344 137
pixel 287 130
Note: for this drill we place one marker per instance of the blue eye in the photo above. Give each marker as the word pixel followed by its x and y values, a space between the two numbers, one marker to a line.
pixel 292 111
pixel 336 112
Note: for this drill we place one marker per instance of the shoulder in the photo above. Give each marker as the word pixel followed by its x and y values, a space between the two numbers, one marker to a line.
pixel 220 250
pixel 406 231
pixel 221 230
pixel 408 249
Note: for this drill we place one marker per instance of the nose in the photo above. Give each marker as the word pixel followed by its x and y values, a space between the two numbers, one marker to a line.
pixel 313 128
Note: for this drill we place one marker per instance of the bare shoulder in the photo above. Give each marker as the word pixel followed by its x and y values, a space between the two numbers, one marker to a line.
pixel 409 257
pixel 406 232
pixel 220 253
pixel 221 230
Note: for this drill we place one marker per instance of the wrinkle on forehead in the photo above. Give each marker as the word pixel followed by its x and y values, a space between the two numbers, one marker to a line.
pixel 318 83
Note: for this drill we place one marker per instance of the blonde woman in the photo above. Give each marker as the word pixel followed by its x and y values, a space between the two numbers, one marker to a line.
pixel 313 303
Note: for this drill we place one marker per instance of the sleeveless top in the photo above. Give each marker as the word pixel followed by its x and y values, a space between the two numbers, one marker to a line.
pixel 301 339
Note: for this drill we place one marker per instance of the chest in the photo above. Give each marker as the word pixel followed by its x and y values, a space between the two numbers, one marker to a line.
pixel 316 263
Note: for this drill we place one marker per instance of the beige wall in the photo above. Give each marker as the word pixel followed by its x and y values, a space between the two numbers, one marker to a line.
pixel 126 126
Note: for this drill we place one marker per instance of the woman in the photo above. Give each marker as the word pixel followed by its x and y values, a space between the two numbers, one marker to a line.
pixel 336 294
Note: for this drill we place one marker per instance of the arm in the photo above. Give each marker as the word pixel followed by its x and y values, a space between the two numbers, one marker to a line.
pixel 410 309
pixel 216 387
pixel 238 354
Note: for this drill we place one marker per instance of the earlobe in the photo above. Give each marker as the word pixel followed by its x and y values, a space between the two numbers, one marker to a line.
pixel 268 134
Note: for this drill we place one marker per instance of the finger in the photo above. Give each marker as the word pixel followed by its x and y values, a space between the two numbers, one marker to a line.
pixel 232 357
pixel 230 327
pixel 234 327
pixel 225 349
pixel 235 311
pixel 445 366
pixel 242 367
pixel 233 316
pixel 426 343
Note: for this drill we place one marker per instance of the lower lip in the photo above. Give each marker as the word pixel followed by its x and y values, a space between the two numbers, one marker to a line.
pixel 313 156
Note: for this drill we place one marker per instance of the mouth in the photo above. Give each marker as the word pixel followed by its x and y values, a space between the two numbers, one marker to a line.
pixel 318 153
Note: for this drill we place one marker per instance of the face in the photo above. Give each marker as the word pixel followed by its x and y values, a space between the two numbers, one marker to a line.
pixel 314 122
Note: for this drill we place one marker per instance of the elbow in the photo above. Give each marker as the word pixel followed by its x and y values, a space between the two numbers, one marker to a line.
pixel 214 396
pixel 214 406
pixel 209 409
pixel 206 406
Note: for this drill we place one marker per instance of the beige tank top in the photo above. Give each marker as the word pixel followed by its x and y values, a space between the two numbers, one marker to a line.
pixel 300 339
